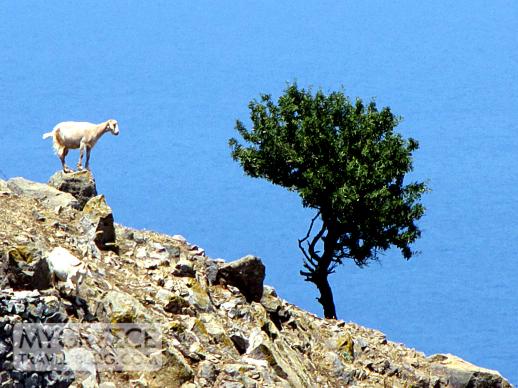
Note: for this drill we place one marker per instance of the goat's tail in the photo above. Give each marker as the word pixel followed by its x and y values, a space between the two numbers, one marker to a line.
pixel 47 135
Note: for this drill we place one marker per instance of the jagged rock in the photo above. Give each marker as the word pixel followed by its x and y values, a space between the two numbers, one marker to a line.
pixel 247 274
pixel 197 295
pixel 261 348
pixel 154 255
pixel 360 345
pixel 184 268
pixel 208 371
pixel 30 307
pixel 42 278
pixel 80 184
pixel 174 372
pixel 123 308
pixel 4 270
pixel 337 368
pixel 24 268
pixel 218 338
pixel 240 341
pixel 275 308
pixel 97 223
pixel 171 302
pixel 211 271
pixel 460 373
pixel 47 195
pixel 239 375
pixel 213 327
pixel 269 291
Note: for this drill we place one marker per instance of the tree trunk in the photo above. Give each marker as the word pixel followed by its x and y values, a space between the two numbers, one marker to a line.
pixel 326 296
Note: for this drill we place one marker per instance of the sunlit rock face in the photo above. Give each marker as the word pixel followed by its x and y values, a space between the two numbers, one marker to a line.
pixel 221 326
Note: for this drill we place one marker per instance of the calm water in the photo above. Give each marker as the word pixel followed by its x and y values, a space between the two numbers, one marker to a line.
pixel 177 74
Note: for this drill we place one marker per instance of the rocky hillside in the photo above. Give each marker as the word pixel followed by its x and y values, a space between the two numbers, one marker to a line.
pixel 221 327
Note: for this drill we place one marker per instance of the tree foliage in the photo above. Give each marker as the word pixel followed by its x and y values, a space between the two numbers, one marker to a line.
pixel 346 161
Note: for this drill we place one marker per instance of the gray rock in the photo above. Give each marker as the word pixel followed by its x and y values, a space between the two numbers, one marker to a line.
pixel 460 373
pixel 208 371
pixel 211 271
pixel 47 195
pixel 269 291
pixel 261 348
pixel 240 341
pixel 175 370
pixel 171 302
pixel 247 274
pixel 27 306
pixel 24 268
pixel 97 223
pixel 80 184
pixel 173 251
pixel 42 278
pixel 360 344
pixel 272 305
pixel 184 268
pixel 139 237
pixel 4 282
pixel 123 308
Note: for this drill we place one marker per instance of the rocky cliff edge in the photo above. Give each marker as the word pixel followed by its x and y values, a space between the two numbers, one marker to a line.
pixel 221 327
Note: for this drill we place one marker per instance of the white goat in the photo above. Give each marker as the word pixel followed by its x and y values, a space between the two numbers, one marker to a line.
pixel 68 268
pixel 71 135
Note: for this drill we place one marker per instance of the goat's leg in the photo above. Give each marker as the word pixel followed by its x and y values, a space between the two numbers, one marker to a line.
pixel 87 163
pixel 80 162
pixel 62 154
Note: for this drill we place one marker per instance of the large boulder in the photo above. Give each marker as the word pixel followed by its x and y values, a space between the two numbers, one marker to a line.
pixel 22 268
pixel 247 274
pixel 80 184
pixel 97 223
pixel 460 373
pixel 123 308
pixel 47 195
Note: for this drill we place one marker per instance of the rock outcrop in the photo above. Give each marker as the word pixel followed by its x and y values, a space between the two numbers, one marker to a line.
pixel 221 326
pixel 29 306
pixel 247 274
pixel 47 195
pixel 97 223
pixel 81 184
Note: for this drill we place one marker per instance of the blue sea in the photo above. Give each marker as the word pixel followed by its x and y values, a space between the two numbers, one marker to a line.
pixel 176 75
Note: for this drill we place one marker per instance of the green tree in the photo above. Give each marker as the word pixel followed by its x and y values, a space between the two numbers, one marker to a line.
pixel 347 163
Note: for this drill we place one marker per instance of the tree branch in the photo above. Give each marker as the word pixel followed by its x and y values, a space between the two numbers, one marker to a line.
pixel 310 228
pixel 308 275
pixel 309 258
pixel 314 242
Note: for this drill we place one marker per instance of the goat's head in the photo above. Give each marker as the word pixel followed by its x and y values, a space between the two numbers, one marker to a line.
pixel 113 126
